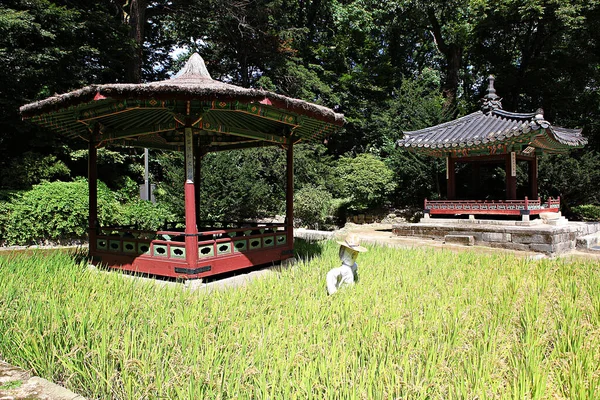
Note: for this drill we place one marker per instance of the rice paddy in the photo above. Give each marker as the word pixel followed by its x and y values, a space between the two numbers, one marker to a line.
pixel 420 324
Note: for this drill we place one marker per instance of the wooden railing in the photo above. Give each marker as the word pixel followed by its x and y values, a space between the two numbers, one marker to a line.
pixel 170 243
pixel 492 207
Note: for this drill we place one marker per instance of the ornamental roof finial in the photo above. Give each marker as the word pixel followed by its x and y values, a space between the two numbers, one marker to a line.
pixel 491 101
pixel 194 67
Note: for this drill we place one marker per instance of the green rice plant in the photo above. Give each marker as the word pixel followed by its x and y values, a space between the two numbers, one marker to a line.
pixel 419 324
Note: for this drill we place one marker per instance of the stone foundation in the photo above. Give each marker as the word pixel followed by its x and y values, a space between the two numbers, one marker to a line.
pixel 535 236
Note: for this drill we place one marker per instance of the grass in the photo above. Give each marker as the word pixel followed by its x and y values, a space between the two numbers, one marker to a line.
pixel 420 324
pixel 11 385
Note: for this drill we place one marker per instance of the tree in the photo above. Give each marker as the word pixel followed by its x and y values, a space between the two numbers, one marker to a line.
pixel 46 48
pixel 365 180
pixel 575 178
pixel 545 54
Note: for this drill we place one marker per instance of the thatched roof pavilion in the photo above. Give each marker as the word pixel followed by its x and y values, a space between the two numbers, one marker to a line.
pixel 195 114
pixel 152 114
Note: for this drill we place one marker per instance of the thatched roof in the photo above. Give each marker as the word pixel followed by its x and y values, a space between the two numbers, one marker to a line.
pixel 192 82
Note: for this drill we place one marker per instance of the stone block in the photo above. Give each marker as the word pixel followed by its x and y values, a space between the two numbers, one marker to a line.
pixel 558 222
pixel 564 247
pixel 563 237
pixel 466 240
pixel 588 241
pixel 550 215
pixel 531 238
pixel 542 248
pixel 496 237
pixel 509 246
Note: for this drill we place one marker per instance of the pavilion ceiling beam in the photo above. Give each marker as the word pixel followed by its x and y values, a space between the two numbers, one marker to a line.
pixel 224 129
pixel 149 144
pixel 116 108
pixel 236 120
pixel 257 110
pixel 239 146
pixel 109 135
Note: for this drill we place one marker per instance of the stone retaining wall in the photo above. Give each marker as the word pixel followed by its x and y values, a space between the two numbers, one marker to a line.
pixel 541 238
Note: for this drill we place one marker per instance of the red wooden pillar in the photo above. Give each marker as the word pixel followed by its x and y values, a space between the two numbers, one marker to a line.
pixel 450 178
pixel 475 181
pixel 93 189
pixel 191 230
pixel 200 153
pixel 533 178
pixel 511 175
pixel 289 193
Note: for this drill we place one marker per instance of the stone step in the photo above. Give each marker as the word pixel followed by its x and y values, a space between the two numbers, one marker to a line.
pixel 311 235
pixel 467 240
pixel 561 221
pixel 589 242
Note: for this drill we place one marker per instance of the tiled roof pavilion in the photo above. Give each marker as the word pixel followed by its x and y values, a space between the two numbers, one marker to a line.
pixel 493 136
pixel 492 130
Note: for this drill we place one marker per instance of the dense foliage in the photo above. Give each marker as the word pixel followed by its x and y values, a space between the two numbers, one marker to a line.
pixel 389 66
pixel 312 206
pixel 58 211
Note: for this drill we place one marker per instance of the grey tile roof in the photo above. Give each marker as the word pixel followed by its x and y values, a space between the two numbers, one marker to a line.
pixel 485 129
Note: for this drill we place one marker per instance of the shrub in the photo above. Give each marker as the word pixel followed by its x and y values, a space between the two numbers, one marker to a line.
pixel 145 215
pixel 366 180
pixel 54 211
pixel 312 205
pixel 587 212
pixel 4 213
pixel 129 190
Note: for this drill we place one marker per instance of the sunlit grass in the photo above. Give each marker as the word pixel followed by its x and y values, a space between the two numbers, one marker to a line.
pixel 419 324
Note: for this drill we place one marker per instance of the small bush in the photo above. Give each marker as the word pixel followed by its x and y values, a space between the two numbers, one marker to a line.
pixel 312 205
pixel 54 211
pixel 587 212
pixel 145 215
pixel 4 213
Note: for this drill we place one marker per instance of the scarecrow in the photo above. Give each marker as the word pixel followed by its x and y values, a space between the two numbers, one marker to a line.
pixel 347 273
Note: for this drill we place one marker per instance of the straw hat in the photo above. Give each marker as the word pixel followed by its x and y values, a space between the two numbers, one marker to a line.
pixel 351 242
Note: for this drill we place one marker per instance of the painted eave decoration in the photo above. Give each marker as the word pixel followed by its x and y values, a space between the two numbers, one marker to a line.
pixel 153 114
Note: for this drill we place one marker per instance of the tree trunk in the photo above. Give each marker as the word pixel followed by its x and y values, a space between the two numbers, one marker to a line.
pixel 136 21
pixel 453 55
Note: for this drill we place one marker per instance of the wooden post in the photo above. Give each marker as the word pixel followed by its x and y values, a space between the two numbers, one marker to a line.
pixel 450 178
pixel 289 193
pixel 511 176
pixel 533 179
pixel 200 152
pixel 191 230
pixel 93 189
pixel 475 184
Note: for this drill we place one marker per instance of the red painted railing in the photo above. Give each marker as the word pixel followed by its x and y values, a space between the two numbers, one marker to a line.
pixel 226 247
pixel 491 207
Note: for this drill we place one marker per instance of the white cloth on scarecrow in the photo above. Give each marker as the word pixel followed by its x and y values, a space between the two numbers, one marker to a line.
pixel 347 273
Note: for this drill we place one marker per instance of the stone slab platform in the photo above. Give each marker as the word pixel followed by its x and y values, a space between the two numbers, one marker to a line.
pixel 17 384
pixel 538 237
